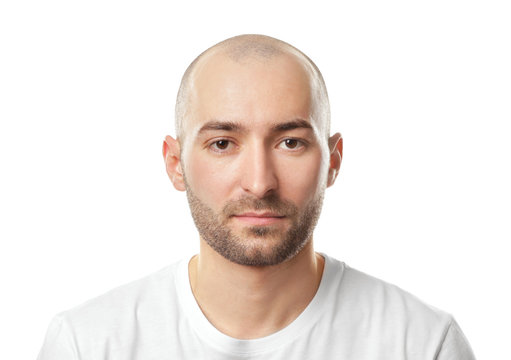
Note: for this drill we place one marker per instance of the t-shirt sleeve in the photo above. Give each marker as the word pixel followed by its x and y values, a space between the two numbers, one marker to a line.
pixel 455 345
pixel 58 343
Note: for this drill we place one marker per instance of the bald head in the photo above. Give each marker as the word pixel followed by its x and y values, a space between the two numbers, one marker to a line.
pixel 244 50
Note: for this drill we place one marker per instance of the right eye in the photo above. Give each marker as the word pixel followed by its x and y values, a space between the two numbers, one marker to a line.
pixel 220 145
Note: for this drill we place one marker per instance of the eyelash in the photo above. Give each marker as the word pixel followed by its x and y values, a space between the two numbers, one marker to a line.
pixel 213 145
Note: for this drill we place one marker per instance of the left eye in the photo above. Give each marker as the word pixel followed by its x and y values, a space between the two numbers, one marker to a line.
pixel 291 144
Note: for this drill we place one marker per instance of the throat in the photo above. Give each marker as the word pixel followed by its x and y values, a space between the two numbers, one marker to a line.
pixel 247 302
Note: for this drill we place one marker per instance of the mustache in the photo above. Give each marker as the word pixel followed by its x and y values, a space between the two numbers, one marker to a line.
pixel 271 203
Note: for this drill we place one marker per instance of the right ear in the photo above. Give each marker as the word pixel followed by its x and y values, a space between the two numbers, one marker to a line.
pixel 172 157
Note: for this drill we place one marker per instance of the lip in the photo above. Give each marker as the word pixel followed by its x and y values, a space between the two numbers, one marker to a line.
pixel 253 218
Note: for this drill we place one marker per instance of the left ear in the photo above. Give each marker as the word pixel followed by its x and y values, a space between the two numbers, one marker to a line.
pixel 335 147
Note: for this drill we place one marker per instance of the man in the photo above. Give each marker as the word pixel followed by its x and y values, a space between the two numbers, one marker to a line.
pixel 254 155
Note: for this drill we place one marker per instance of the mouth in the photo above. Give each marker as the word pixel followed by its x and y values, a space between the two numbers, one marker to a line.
pixel 254 218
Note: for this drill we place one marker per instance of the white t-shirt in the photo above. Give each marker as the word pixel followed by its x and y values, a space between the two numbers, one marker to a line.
pixel 353 316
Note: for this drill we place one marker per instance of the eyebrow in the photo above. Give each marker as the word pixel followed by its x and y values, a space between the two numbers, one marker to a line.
pixel 237 127
pixel 221 125
pixel 291 125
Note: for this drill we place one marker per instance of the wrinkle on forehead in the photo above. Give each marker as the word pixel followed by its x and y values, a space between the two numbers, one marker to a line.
pixel 281 83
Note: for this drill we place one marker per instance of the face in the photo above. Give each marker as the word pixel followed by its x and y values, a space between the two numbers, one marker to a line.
pixel 255 162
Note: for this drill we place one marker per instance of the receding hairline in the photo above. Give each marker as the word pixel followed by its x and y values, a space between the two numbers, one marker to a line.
pixel 243 48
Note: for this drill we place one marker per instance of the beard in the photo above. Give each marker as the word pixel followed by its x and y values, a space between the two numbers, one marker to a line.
pixel 260 245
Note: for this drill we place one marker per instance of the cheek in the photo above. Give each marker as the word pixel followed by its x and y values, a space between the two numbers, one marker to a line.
pixel 209 180
pixel 301 180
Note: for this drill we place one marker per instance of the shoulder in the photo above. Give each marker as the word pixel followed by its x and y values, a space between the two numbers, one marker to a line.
pixel 110 323
pixel 125 304
pixel 368 299
pixel 371 317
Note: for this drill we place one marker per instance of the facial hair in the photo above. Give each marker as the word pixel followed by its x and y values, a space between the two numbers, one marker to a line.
pixel 251 247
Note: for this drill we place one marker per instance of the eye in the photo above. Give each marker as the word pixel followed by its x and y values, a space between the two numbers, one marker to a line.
pixel 291 144
pixel 220 145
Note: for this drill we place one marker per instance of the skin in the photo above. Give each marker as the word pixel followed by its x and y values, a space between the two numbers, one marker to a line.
pixel 253 160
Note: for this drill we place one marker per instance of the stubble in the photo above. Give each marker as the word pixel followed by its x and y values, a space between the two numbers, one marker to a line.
pixel 256 245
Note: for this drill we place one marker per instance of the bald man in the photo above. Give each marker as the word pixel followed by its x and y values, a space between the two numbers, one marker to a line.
pixel 254 154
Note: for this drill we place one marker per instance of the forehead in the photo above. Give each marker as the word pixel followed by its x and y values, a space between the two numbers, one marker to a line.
pixel 253 91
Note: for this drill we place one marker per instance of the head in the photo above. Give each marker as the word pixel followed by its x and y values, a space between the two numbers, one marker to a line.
pixel 253 150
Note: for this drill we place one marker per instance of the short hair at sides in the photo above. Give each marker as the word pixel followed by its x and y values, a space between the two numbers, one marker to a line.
pixel 241 47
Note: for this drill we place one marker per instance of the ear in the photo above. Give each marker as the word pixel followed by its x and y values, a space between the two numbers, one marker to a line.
pixel 172 157
pixel 335 147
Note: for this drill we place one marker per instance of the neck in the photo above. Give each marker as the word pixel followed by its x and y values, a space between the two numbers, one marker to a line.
pixel 247 302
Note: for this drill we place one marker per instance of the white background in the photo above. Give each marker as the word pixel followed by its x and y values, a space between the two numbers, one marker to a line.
pixel 420 91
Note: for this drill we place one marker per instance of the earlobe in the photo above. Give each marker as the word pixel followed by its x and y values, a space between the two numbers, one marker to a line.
pixel 172 156
pixel 335 147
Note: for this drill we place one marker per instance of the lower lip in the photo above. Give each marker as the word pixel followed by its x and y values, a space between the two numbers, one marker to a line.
pixel 254 220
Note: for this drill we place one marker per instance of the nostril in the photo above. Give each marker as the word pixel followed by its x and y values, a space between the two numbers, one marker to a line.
pixel 260 184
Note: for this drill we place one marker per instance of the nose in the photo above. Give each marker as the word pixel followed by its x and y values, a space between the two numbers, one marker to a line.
pixel 258 175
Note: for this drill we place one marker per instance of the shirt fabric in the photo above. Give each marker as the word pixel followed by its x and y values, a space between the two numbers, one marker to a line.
pixel 352 316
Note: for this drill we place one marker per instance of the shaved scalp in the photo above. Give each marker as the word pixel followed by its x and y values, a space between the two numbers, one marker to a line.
pixel 243 48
